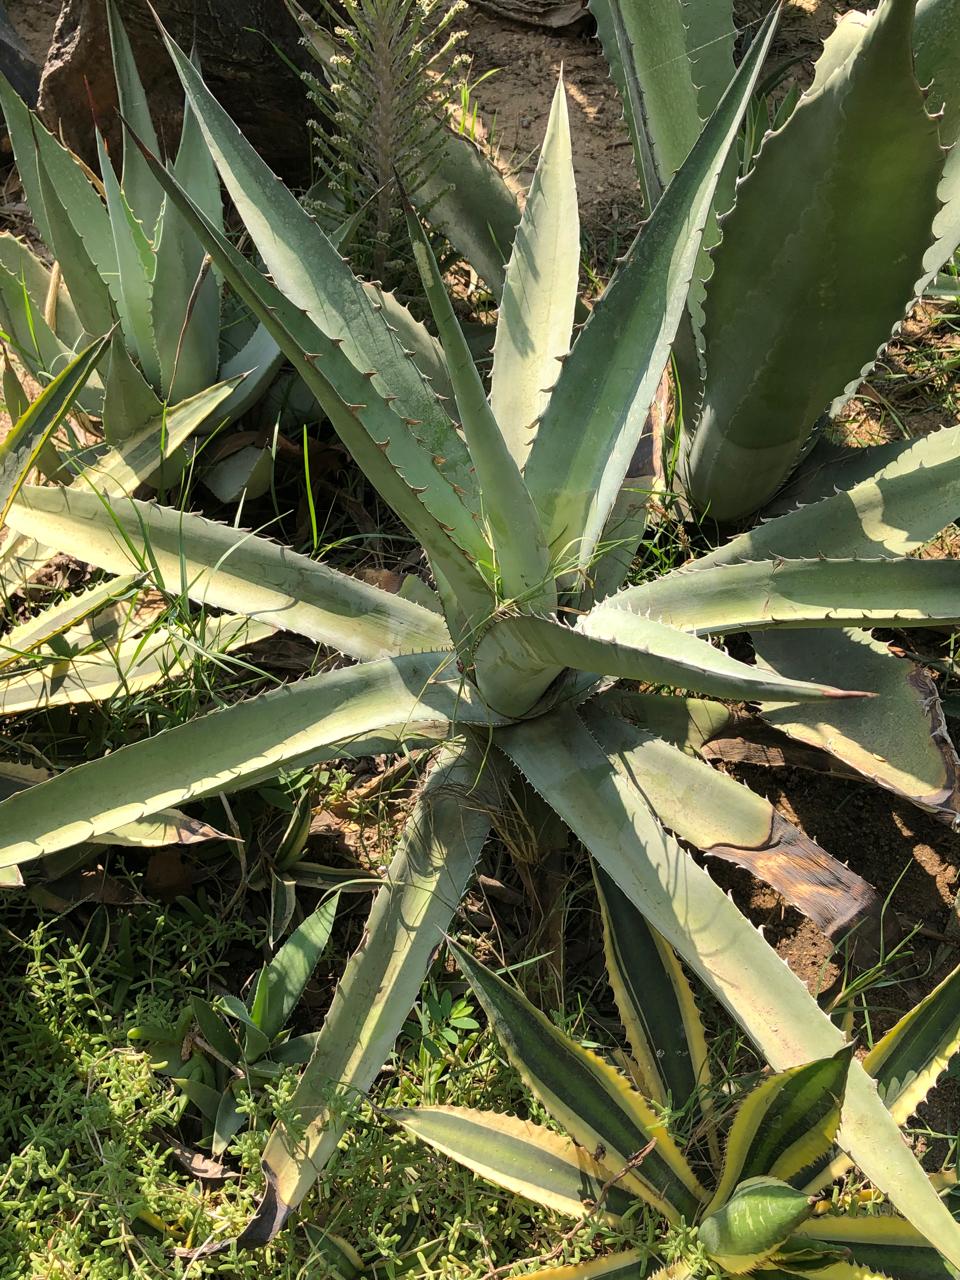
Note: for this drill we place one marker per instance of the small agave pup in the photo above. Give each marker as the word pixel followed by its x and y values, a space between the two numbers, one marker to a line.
pixel 760 1213
pixel 522 504
pixel 124 253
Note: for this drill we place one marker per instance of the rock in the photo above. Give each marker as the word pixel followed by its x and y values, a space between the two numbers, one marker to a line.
pixel 241 44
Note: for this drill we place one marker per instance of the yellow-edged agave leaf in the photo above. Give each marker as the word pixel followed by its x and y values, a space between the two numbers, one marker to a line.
pixel 655 1001
pixel 630 1265
pixel 751 1223
pixel 58 618
pixel 49 679
pixel 229 568
pixel 20 449
pixel 914 1053
pixel 606 809
pixel 523 1157
pixel 880 1245
pixel 781 1127
pixel 907 1062
pixel 727 820
pixel 241 744
pixel 589 1098
pixel 535 320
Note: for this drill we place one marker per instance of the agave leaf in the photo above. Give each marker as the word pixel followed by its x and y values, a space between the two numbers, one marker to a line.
pixel 413 336
pixel 522 559
pixel 136 265
pixel 140 189
pixel 48 297
pixel 260 360
pixel 308 270
pixel 689 723
pixel 597 411
pixel 815 311
pixel 799 593
pixel 30 140
pixel 612 1266
pixel 907 1062
pixel 423 886
pixel 783 1124
pixel 938 65
pixel 216 564
pixel 292 967
pixel 89 295
pixel 129 401
pixel 605 808
pixel 590 1099
pixel 186 291
pixel 120 470
pixel 237 745
pixel 25 328
pixel 727 820
pixel 527 1159
pixel 519 657
pixel 880 1247
pixel 535 321
pixel 53 680
pixel 470 203
pixel 655 1002
pixel 905 504
pixel 829 468
pixel 59 617
pixel 367 424
pixel 905 748
pixel 19 451
pixel 711 34
pixel 649 61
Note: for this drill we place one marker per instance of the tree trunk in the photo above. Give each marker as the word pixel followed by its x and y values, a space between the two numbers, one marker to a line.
pixel 536 13
pixel 235 40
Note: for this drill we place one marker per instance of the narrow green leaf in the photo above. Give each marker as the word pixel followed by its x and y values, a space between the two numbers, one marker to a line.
pixel 880 1247
pixel 228 1122
pixel 527 1159
pixel 598 409
pixel 292 967
pixel 535 321
pixel 129 401
pixel 19 451
pixel 590 1099
pixel 215 1031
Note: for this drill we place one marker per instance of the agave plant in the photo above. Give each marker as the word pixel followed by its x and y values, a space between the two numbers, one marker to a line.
pixel 123 253
pixel 523 505
pixel 756 1211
